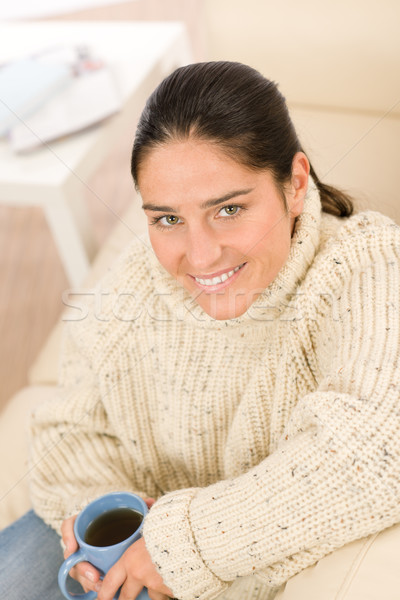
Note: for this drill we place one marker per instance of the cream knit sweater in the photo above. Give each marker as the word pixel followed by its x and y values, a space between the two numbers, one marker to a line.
pixel 269 440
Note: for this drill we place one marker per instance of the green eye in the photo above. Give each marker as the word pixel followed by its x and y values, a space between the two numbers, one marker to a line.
pixel 231 210
pixel 171 219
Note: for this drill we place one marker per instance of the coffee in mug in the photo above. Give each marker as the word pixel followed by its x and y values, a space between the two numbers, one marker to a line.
pixel 113 527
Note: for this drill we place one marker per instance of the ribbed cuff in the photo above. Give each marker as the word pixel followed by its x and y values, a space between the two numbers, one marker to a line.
pixel 171 544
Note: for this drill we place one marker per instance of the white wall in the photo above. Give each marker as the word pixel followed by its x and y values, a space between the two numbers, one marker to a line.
pixel 23 9
pixel 338 64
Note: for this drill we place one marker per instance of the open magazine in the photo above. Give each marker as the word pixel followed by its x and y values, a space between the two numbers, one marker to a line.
pixel 86 96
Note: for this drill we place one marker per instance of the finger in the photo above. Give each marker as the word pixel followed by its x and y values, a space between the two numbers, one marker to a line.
pixel 87 572
pixel 89 586
pixel 87 576
pixel 149 502
pixel 130 590
pixel 153 595
pixel 139 566
pixel 84 572
pixel 114 579
pixel 68 536
pixel 157 586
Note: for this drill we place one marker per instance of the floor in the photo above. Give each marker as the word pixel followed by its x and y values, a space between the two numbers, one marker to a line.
pixel 31 275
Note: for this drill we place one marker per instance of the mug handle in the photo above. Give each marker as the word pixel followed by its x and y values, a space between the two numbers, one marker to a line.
pixel 65 568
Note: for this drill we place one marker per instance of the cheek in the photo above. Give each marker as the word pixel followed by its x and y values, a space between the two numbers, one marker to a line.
pixel 272 246
pixel 165 250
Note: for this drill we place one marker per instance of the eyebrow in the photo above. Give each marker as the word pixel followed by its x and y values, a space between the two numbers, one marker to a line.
pixel 207 204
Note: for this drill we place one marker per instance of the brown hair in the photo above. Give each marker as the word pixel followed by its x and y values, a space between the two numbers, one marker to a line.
pixel 234 106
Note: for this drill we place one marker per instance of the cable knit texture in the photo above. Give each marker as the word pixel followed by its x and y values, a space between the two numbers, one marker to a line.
pixel 269 440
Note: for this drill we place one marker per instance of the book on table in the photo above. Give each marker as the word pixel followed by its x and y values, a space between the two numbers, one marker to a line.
pixel 88 99
pixel 25 85
pixel 54 93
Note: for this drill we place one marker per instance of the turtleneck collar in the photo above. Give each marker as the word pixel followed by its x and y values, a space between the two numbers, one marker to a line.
pixel 270 303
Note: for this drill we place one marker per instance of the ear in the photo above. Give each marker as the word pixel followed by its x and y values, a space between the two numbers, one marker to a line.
pixel 299 184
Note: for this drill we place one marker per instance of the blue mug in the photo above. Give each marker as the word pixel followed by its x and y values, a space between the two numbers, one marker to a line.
pixel 101 557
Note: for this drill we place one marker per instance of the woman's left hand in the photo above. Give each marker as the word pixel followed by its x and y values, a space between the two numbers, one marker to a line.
pixel 132 571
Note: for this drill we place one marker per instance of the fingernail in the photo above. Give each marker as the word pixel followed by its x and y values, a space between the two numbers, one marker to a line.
pixel 97 587
pixel 89 575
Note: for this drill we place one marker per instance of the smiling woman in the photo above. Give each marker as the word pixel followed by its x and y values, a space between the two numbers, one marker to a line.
pixel 212 133
pixel 249 382
pixel 229 252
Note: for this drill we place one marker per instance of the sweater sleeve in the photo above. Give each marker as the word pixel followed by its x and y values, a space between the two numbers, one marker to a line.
pixel 75 455
pixel 334 476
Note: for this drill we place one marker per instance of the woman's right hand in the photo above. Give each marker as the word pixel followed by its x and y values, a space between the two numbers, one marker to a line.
pixel 84 572
pixel 87 575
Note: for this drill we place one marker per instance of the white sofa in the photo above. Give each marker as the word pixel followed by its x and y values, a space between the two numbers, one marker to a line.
pixel 338 66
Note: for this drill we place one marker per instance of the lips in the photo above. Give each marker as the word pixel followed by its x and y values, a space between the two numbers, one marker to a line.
pixel 215 279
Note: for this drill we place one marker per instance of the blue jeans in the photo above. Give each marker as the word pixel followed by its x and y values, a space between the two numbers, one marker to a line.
pixel 30 556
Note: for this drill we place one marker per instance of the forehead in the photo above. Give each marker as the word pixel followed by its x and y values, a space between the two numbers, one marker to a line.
pixel 192 168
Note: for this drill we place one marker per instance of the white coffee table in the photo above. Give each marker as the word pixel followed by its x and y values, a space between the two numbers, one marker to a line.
pixel 55 176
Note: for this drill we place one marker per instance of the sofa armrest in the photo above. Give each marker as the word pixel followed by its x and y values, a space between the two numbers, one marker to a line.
pixel 14 472
pixel 44 370
pixel 366 568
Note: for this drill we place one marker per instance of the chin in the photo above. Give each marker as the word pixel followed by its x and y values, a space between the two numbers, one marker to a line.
pixel 223 313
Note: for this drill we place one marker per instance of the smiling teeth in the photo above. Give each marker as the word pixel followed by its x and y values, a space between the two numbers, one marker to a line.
pixel 221 279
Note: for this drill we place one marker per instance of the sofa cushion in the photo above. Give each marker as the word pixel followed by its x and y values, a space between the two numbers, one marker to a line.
pixel 356 152
pixel 14 472
pixel 366 569
pixel 341 54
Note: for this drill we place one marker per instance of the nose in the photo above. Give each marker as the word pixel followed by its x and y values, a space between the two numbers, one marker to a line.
pixel 203 249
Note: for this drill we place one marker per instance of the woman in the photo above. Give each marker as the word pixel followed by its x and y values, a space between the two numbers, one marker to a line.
pixel 243 371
